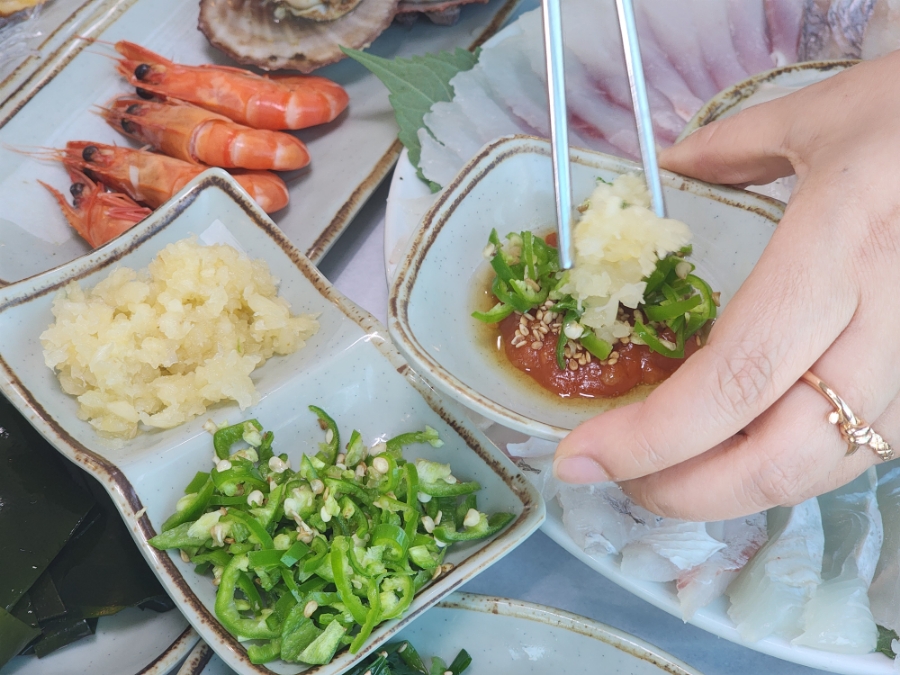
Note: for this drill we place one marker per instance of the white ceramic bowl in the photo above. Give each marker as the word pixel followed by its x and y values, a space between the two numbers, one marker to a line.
pixel 349 368
pixel 509 186
pixel 514 636
pixel 763 87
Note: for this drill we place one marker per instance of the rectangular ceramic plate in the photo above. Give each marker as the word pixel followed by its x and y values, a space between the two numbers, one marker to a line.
pixel 349 368
pixel 350 156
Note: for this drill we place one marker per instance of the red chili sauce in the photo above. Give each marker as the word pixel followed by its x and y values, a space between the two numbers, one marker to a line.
pixel 628 366
pixel 635 365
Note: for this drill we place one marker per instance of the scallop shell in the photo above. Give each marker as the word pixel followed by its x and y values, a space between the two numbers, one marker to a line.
pixel 248 32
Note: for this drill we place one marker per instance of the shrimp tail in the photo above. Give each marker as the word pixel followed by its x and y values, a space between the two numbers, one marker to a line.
pixel 265 188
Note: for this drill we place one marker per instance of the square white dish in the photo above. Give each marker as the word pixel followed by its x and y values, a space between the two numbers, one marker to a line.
pixel 509 186
pixel 349 368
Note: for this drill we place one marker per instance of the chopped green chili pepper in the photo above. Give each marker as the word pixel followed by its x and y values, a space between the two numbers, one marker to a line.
pixel 329 449
pixel 225 437
pixel 321 548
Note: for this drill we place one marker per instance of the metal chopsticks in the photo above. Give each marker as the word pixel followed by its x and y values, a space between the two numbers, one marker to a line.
pixel 635 68
pixel 559 128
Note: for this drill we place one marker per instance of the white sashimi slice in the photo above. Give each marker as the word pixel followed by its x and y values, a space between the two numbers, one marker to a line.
pixel 784 20
pixel 747 23
pixel 596 114
pixel 713 32
pixel 592 37
pixel 474 97
pixel 509 73
pixel 669 549
pixel 884 593
pixel 438 163
pixel 453 128
pixel 769 594
pixel 662 74
pixel 673 30
pixel 837 617
pixel 882 34
pixel 601 518
pixel 702 584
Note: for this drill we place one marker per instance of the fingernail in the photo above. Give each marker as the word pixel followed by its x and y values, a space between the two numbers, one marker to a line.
pixel 578 470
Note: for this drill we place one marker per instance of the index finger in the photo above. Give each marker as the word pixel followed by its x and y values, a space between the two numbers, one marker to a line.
pixel 772 331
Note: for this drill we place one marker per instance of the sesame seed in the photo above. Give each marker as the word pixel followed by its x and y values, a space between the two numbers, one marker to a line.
pixel 537 345
pixel 540 315
pixel 544 330
pixel 614 354
pixel 573 365
pixel 310 607
pixel 528 316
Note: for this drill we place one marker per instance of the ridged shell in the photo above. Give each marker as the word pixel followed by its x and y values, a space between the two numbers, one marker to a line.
pixel 247 31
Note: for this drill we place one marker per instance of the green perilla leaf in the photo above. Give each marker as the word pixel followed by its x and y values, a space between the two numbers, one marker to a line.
pixel 416 84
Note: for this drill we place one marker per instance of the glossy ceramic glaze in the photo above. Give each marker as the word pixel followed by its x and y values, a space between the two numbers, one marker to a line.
pixel 132 642
pixel 765 86
pixel 513 636
pixel 508 186
pixel 349 368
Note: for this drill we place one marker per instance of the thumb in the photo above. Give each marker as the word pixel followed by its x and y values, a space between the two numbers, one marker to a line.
pixel 747 148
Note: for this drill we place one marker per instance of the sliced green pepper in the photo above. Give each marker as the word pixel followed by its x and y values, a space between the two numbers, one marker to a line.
pixel 227 611
pixel 225 437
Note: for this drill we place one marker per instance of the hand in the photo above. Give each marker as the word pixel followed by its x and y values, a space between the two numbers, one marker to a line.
pixel 733 432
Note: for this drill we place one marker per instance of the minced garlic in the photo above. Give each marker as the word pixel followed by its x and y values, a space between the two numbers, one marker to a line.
pixel 158 347
pixel 618 241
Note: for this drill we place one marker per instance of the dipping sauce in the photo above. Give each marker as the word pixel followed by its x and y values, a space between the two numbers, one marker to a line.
pixel 628 366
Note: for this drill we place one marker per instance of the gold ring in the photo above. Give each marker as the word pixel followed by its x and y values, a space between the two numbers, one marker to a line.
pixel 854 430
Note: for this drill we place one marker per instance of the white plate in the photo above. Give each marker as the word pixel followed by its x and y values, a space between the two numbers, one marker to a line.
pixel 348 368
pixel 350 156
pixel 132 642
pixel 512 636
pixel 406 205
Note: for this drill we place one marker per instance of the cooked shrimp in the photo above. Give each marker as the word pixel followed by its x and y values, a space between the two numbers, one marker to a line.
pixel 98 216
pixel 153 178
pixel 196 135
pixel 262 102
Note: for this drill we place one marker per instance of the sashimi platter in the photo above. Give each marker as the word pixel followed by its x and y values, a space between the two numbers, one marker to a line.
pixel 172 172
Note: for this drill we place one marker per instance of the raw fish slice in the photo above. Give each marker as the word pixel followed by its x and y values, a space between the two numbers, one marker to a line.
pixel 595 115
pixel 882 33
pixel 601 518
pixel 662 75
pixel 884 593
pixel 747 23
pixel 837 617
pixel 673 30
pixel 452 126
pixel 784 19
pixel 508 72
pixel 769 594
pixel 713 32
pixel 592 37
pixel 489 119
pixel 702 584
pixel 438 163
pixel 669 549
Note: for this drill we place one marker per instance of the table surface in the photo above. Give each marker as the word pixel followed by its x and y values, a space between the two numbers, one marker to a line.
pixel 540 570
